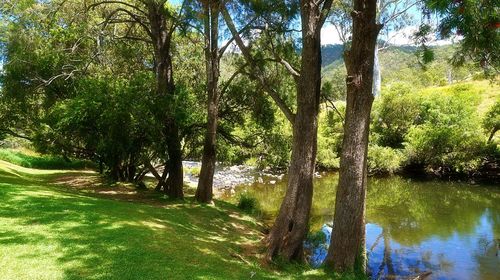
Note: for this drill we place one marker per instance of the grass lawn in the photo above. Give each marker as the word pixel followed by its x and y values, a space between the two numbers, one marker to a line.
pixel 51 228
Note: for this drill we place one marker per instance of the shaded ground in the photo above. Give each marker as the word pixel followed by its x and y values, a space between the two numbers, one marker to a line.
pixel 50 231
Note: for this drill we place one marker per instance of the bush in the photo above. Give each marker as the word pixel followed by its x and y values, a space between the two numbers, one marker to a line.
pixel 43 161
pixel 491 121
pixel 248 203
pixel 330 133
pixel 195 171
pixel 446 148
pixel 393 115
pixel 384 160
pixel 316 239
pixel 447 137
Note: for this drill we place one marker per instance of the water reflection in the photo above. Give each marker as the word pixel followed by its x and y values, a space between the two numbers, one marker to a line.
pixel 451 229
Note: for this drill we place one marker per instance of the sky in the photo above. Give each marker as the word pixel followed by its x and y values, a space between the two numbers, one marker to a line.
pixel 330 36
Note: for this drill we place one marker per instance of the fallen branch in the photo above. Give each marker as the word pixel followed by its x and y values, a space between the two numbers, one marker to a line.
pixel 234 254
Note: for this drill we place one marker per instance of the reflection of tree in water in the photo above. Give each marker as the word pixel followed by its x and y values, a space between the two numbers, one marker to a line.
pixel 408 213
pixel 398 263
pixel 488 258
pixel 387 259
pixel 414 211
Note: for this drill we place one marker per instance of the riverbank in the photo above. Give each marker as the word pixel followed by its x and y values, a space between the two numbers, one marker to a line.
pixel 60 224
pixel 448 228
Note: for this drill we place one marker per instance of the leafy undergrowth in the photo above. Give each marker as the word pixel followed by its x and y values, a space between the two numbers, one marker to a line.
pixel 32 160
pixel 51 229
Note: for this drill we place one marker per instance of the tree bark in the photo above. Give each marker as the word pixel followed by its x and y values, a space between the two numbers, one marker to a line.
pixel 204 191
pixel 161 35
pixel 492 134
pixel 291 226
pixel 347 248
pixel 175 180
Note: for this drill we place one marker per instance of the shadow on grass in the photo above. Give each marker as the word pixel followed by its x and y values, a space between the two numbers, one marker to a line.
pixel 105 239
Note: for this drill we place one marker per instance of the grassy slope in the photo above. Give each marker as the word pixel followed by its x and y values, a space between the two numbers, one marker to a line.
pixel 49 232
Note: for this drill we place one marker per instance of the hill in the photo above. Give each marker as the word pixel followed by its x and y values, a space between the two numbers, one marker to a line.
pixel 400 64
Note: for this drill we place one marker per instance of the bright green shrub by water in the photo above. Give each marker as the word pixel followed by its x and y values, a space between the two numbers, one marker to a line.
pixel 439 129
pixel 383 160
pixel 448 134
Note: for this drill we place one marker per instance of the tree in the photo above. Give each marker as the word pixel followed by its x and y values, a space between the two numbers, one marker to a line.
pixel 87 95
pixel 491 122
pixel 291 226
pixel 213 54
pixel 157 22
pixel 477 21
pixel 347 245
pixel 211 14
pixel 393 15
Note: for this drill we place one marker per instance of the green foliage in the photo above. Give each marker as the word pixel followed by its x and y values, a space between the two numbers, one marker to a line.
pixel 248 203
pixel 477 22
pixel 316 239
pixel 384 160
pixel 393 115
pixel 491 121
pixel 194 171
pixel 446 136
pixel 43 161
pixel 330 133
pixel 100 120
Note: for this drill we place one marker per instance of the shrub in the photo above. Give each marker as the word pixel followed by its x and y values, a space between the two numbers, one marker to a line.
pixel 43 161
pixel 316 239
pixel 195 171
pixel 447 137
pixel 384 160
pixel 248 203
pixel 330 133
pixel 393 115
pixel 491 121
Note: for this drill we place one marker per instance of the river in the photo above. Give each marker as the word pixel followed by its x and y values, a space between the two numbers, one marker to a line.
pixel 451 229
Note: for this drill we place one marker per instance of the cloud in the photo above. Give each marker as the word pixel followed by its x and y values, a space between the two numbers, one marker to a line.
pixel 329 35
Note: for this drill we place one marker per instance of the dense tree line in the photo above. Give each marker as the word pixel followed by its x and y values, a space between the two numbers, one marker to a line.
pixel 123 82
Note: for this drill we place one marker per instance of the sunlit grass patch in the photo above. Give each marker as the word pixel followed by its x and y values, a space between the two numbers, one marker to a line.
pixel 48 232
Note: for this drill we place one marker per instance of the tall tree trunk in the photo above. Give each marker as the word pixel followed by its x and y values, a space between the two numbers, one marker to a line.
pixel 204 191
pixel 161 35
pixel 175 180
pixel 291 226
pixel 347 246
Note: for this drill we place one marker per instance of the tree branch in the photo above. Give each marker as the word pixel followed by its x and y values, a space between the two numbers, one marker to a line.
pixel 223 48
pixel 91 6
pixel 257 72
pixel 325 11
pixel 14 134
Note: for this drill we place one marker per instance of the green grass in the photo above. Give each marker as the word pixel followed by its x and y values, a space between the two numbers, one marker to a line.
pixel 32 160
pixel 48 231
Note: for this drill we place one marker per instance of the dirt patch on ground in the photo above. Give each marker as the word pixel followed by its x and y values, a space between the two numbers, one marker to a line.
pixel 98 185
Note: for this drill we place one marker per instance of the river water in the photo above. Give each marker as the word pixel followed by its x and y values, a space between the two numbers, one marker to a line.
pixel 451 229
